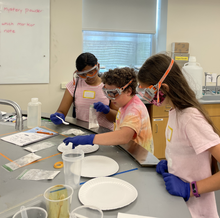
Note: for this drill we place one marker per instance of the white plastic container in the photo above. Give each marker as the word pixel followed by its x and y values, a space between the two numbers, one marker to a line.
pixel 193 73
pixel 34 113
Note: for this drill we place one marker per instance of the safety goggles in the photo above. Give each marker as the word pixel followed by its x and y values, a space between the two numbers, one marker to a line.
pixel 152 93
pixel 87 73
pixel 112 94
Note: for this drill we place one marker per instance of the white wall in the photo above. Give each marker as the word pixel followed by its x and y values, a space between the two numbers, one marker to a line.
pixel 65 46
pixel 193 21
pixel 196 22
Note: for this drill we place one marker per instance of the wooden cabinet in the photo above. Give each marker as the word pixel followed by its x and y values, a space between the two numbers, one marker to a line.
pixel 214 112
pixel 159 118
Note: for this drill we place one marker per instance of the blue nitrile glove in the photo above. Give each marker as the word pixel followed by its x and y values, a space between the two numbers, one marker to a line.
pixel 56 120
pixel 100 107
pixel 162 167
pixel 80 140
pixel 175 186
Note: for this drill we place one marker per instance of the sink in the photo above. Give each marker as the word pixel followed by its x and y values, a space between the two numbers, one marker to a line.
pixel 209 97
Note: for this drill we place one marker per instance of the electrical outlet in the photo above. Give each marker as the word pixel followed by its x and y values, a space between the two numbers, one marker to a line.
pixel 63 85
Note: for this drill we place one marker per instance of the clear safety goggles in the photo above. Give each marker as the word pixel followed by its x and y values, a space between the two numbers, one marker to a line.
pixel 152 93
pixel 87 73
pixel 112 94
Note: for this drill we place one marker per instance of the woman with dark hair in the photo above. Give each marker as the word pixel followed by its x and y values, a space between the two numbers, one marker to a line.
pixel 86 89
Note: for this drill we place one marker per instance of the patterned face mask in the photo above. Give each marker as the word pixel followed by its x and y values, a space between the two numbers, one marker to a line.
pixel 152 93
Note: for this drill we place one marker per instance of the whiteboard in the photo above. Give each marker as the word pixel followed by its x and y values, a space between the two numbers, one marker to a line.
pixel 24 41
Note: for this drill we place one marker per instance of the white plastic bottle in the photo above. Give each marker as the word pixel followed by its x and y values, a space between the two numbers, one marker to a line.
pixel 193 73
pixel 34 113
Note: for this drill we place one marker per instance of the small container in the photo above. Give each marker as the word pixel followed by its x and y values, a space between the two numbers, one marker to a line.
pixel 58 199
pixel 87 211
pixel 193 73
pixel 34 113
pixel 31 212
pixel 72 160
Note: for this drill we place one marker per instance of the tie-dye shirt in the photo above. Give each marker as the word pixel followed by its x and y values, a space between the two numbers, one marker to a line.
pixel 135 115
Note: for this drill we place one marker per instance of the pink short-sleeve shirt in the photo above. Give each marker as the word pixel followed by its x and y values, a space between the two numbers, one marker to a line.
pixel 86 95
pixel 188 138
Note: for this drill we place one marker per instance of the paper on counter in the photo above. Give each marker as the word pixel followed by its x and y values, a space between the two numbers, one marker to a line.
pixel 29 136
pixel 21 162
pixel 37 174
pixel 39 146
pixel 73 131
pixel 125 215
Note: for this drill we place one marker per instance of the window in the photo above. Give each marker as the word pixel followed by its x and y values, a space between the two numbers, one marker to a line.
pixel 115 49
pixel 119 32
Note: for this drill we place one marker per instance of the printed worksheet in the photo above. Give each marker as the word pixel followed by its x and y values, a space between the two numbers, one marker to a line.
pixel 30 136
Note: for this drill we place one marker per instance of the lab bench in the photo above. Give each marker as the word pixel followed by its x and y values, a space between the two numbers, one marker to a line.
pixel 153 199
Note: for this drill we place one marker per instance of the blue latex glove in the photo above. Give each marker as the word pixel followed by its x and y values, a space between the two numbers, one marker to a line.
pixel 80 140
pixel 175 186
pixel 100 107
pixel 56 120
pixel 162 167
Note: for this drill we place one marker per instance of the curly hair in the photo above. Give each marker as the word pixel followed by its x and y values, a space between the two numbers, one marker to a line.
pixel 120 77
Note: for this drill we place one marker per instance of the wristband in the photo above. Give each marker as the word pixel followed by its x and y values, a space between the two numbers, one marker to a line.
pixel 194 189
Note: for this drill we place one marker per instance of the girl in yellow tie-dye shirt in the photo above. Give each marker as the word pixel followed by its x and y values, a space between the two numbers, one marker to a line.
pixel 132 122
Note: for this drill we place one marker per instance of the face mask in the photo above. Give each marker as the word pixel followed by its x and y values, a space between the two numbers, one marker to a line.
pixel 162 97
pixel 153 94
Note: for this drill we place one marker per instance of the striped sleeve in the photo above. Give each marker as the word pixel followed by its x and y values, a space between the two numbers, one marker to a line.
pixel 71 86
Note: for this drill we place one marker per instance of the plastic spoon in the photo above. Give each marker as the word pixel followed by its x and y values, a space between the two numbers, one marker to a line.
pixel 23 212
pixel 64 122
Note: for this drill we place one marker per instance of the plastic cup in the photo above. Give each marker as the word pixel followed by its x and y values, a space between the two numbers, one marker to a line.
pixel 87 211
pixel 72 160
pixel 58 201
pixel 31 212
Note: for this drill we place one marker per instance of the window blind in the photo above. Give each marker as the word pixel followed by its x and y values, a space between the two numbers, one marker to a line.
pixel 131 16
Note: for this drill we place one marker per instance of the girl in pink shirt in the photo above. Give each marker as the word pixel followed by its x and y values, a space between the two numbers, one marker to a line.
pixel 87 86
pixel 192 142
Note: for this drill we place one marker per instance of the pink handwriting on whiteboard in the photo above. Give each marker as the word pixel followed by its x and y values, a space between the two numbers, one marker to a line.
pixel 30 24
pixel 12 9
pixel 21 24
pixel 9 31
pixel 8 23
pixel 33 11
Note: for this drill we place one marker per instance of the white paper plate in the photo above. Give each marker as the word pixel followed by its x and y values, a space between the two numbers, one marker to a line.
pixel 86 148
pixel 98 166
pixel 107 193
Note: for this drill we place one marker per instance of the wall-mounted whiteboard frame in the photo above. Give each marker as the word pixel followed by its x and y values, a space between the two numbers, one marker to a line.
pixel 24 41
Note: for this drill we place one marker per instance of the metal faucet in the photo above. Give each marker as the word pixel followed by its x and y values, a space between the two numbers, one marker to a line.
pixel 216 87
pixel 19 120
pixel 205 90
